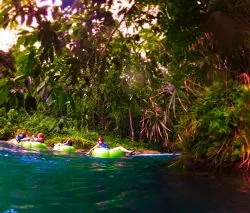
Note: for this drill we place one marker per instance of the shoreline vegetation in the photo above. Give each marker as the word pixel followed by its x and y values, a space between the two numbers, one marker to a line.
pixel 84 140
pixel 58 130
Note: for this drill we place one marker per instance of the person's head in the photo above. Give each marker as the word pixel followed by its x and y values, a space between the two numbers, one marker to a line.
pixel 20 137
pixel 70 140
pixel 23 133
pixel 100 140
pixel 40 135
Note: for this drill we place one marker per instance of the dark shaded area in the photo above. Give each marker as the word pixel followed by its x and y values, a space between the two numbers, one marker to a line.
pixel 30 104
pixel 66 3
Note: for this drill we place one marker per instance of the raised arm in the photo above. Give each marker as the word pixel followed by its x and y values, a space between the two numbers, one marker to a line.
pixel 88 153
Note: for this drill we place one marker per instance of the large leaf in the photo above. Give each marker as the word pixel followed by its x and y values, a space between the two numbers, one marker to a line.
pixel 4 92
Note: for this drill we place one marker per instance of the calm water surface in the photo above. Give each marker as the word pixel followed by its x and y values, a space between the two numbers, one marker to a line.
pixel 45 182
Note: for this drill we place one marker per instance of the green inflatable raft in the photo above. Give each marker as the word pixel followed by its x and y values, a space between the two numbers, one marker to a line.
pixel 33 145
pixel 107 153
pixel 63 148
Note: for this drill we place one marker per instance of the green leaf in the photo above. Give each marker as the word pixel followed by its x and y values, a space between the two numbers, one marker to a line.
pixel 40 86
pixel 4 92
pixel 3 82
pixel 72 103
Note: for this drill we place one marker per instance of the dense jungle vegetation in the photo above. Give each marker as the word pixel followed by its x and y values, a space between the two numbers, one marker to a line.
pixel 174 74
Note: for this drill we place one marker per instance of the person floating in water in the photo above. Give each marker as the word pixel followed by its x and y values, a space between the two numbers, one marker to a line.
pixel 102 144
pixel 69 142
pixel 38 138
pixel 22 137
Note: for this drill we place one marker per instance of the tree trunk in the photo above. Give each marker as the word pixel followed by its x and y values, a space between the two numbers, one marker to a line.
pixel 132 133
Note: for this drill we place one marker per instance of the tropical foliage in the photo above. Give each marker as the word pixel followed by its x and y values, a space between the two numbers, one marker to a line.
pixel 216 126
pixel 167 72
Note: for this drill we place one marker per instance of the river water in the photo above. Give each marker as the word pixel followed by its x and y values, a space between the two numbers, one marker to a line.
pixel 45 182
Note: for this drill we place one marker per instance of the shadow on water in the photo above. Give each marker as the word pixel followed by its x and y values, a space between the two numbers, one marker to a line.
pixel 44 182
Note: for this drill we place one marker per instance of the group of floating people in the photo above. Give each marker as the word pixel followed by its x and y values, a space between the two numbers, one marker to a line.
pixel 39 138
pixel 23 137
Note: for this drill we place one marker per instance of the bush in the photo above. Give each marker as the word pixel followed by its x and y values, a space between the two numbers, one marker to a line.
pixel 39 123
pixel 214 127
pixel 6 129
pixel 12 116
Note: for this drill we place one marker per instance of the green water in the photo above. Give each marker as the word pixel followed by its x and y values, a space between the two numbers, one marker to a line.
pixel 44 182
